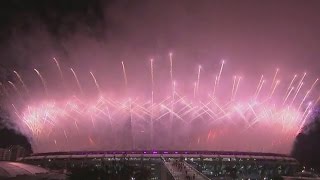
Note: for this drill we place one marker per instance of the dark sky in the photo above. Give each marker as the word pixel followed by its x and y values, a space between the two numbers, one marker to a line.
pixel 279 32
pixel 256 36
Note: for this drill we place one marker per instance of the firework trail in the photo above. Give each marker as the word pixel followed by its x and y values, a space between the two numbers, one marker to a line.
pixel 65 134
pixel 295 95
pixel 307 94
pixel 198 78
pixel 307 109
pixel 14 87
pixel 59 69
pixel 274 88
pixel 301 81
pixel 237 87
pixel 131 123
pixel 77 80
pixel 304 98
pixel 22 82
pixel 96 82
pixel 152 101
pixel 233 86
pixel 171 68
pixel 274 77
pixel 258 86
pixel 262 83
pixel 318 99
pixel 215 86
pixel 43 81
pixel 15 109
pixel 220 72
pixel 173 90
pixel 55 142
pixel 91 141
pixel 151 71
pixel 314 84
pixel 152 81
pixel 303 122
pixel 124 74
pixel 289 87
pixel 286 98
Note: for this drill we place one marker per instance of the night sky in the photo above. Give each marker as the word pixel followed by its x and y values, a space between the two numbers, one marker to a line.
pixel 255 35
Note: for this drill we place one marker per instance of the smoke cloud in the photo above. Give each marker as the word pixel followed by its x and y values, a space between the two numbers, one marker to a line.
pixel 253 38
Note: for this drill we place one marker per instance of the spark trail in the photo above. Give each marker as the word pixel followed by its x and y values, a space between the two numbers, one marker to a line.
pixel 237 87
pixel 152 82
pixel 15 88
pixel 171 68
pixel 297 92
pixel 274 78
pixel 289 87
pixel 220 72
pixel 95 82
pixel 22 82
pixel 259 90
pixel 44 83
pixel 258 86
pixel 198 78
pixel 233 86
pixel 274 88
pixel 301 80
pixel 59 68
pixel 77 80
pixel 215 86
pixel 286 98
pixel 124 74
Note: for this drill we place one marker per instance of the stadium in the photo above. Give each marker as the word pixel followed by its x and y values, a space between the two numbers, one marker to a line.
pixel 207 164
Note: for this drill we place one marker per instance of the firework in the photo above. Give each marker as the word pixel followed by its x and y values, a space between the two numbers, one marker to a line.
pixel 233 86
pixel 171 68
pixel 289 88
pixel 215 85
pixel 95 82
pixel 260 84
pixel 14 87
pixel 220 72
pixel 124 74
pixel 295 95
pixel 43 81
pixel 77 80
pixel 237 87
pixel 59 68
pixel 274 77
pixel 22 82
pixel 286 98
pixel 170 121
pixel 198 78
pixel 274 88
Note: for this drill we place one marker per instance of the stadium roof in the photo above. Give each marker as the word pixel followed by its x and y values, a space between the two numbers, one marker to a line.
pixel 158 154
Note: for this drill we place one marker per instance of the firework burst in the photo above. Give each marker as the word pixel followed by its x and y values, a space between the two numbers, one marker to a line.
pixel 262 121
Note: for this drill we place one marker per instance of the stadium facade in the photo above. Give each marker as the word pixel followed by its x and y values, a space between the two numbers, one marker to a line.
pixel 208 164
